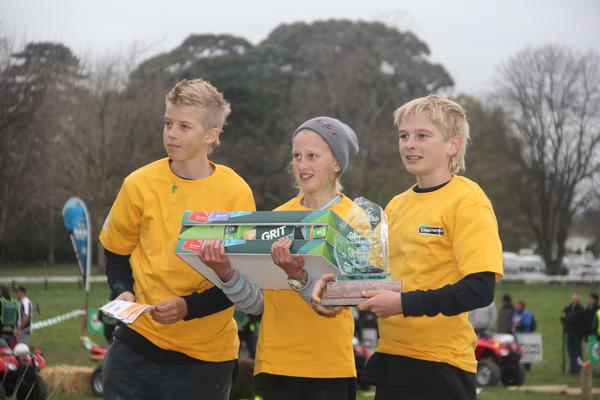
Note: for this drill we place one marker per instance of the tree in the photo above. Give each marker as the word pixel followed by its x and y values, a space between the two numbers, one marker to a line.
pixel 256 91
pixel 356 71
pixel 359 72
pixel 552 97
pixel 41 83
pixel 489 163
pixel 588 224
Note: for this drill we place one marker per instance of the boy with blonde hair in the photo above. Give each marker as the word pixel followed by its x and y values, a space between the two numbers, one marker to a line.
pixel 187 346
pixel 444 247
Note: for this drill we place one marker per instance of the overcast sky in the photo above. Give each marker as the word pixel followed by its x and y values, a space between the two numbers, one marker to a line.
pixel 469 37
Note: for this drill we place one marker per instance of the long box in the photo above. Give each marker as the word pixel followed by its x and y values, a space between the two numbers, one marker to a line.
pixel 257 218
pixel 273 232
pixel 252 258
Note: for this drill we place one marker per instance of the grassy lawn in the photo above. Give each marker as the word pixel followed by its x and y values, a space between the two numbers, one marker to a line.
pixel 60 343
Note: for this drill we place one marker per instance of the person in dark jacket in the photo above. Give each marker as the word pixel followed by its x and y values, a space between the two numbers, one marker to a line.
pixel 6 329
pixel 505 315
pixel 573 327
pixel 589 314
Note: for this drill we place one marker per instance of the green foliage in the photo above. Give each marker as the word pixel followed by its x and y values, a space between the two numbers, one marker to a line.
pixel 356 71
pixel 489 163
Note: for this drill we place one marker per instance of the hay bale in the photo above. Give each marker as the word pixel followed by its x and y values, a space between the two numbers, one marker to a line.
pixel 70 379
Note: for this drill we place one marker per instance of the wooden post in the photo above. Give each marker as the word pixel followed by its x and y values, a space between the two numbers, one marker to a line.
pixel 586 380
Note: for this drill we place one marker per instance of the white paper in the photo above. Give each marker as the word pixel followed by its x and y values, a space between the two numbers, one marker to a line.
pixel 125 311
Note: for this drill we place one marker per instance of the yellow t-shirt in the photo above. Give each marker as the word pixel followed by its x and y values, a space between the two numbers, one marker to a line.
pixel 436 239
pixel 296 341
pixel 145 222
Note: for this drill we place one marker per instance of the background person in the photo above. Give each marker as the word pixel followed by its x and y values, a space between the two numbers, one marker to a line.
pixel 9 311
pixel 522 320
pixel 589 314
pixel 573 328
pixel 24 320
pixel 505 315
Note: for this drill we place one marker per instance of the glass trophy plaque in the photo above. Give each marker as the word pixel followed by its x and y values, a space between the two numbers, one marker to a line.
pixel 361 253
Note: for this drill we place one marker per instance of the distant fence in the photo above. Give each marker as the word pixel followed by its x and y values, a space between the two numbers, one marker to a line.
pixel 539 278
pixel 56 320
pixel 49 279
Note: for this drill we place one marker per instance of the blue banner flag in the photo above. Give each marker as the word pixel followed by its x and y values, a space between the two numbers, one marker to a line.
pixel 77 222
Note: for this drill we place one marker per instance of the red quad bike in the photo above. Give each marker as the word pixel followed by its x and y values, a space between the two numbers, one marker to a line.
pixel 97 354
pixel 499 357
pixel 20 373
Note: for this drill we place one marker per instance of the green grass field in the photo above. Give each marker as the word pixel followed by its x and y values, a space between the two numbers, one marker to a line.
pixel 60 343
pixel 41 270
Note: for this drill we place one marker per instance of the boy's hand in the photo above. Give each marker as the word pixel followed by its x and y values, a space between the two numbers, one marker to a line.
pixel 169 311
pixel 293 265
pixel 317 293
pixel 213 255
pixel 381 302
pixel 126 296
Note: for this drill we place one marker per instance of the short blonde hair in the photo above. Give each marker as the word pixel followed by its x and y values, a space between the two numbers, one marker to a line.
pixel 447 115
pixel 208 101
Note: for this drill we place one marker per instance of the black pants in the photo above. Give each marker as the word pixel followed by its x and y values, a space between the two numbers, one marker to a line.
pixel 574 350
pixel 402 393
pixel 405 378
pixel 304 394
pixel 279 387
pixel 129 375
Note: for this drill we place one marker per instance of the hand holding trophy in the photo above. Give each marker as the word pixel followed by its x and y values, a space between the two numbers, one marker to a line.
pixel 361 254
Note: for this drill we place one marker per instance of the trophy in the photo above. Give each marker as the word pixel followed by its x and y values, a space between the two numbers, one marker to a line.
pixel 361 253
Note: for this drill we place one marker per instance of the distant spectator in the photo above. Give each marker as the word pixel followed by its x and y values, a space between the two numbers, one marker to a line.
pixel 505 315
pixel 588 316
pixel 25 316
pixel 8 315
pixel 484 319
pixel 522 319
pixel 573 328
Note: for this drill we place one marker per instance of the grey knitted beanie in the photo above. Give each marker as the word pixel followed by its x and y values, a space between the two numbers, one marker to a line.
pixel 339 136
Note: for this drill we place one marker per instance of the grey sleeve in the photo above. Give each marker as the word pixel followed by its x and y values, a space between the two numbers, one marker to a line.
pixel 245 296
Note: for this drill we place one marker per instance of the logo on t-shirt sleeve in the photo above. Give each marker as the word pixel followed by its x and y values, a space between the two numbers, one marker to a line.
pixel 431 230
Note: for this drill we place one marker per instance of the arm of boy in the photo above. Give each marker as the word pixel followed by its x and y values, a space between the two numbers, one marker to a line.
pixel 317 293
pixel 169 311
pixel 382 303
pixel 246 296
pixel 473 291
pixel 212 254
pixel 293 266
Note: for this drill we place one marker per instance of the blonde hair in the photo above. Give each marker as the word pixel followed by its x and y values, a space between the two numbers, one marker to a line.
pixel 210 104
pixel 447 115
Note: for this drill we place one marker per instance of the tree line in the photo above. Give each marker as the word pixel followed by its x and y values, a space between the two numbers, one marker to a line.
pixel 69 128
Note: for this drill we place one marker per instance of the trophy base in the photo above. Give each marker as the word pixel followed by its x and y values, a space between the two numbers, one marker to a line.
pixel 349 292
